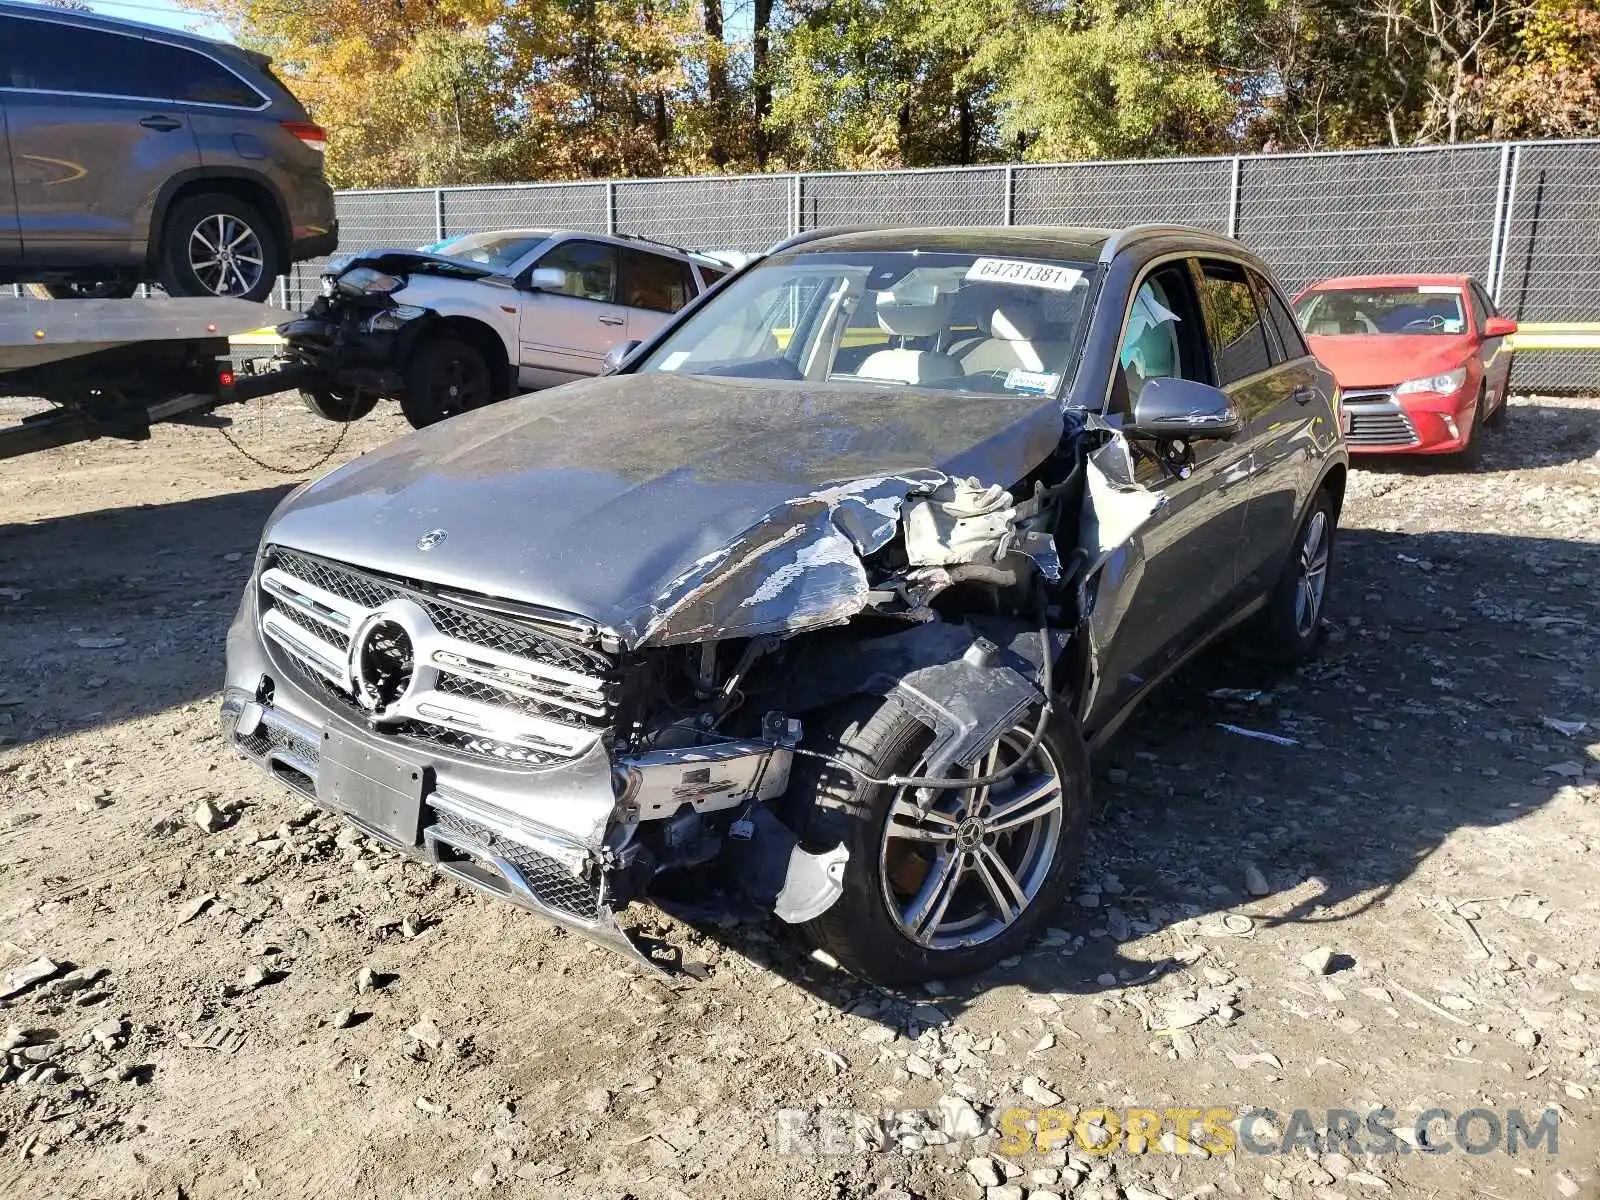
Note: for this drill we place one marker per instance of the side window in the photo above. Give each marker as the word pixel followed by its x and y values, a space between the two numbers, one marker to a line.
pixel 591 269
pixel 1481 302
pixel 1238 337
pixel 711 274
pixel 1290 339
pixel 1164 337
pixel 54 57
pixel 655 282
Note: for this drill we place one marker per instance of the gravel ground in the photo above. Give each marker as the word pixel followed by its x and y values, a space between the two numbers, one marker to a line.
pixel 1399 910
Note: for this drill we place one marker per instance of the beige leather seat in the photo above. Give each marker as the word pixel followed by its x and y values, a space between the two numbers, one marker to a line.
pixel 911 316
pixel 1017 337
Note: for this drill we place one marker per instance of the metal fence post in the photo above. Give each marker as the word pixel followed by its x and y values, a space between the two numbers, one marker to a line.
pixel 1009 205
pixel 1497 282
pixel 1497 233
pixel 1233 197
pixel 438 213
pixel 611 205
pixel 795 222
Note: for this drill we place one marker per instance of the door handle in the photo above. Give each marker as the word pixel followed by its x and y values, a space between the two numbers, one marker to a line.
pixel 1304 393
pixel 161 124
pixel 612 321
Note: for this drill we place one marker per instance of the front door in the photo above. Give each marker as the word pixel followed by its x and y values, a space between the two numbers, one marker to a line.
pixel 94 135
pixel 1161 590
pixel 565 334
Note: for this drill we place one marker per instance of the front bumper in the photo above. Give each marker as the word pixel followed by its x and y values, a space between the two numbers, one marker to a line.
pixel 1378 423
pixel 562 841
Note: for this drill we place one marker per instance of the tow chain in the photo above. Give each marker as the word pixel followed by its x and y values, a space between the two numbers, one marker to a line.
pixel 344 431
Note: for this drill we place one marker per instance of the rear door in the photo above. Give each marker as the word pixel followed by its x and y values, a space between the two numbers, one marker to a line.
pixel 654 287
pixel 565 335
pixel 1278 401
pixel 95 131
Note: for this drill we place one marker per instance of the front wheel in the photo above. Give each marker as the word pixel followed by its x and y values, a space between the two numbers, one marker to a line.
pixel 332 406
pixel 444 377
pixel 1470 455
pixel 1497 419
pixel 942 889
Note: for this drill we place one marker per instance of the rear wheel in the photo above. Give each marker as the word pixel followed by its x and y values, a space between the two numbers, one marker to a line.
pixel 1291 623
pixel 445 377
pixel 951 887
pixel 217 245
pixel 336 406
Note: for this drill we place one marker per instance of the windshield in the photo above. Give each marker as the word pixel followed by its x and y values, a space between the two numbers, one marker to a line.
pixel 498 250
pixel 952 322
pixel 1347 312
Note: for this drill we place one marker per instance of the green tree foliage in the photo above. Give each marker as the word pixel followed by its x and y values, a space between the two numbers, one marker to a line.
pixel 449 91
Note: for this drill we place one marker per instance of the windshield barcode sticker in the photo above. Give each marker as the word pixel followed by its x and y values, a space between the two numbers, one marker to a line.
pixel 1025 274
pixel 1042 382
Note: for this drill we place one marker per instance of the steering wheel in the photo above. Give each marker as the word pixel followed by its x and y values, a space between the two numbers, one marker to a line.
pixel 1433 324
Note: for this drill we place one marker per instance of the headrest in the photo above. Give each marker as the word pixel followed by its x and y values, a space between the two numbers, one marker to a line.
pixel 1014 321
pixel 915 312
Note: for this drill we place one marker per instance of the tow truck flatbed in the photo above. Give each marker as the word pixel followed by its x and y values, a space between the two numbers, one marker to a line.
pixel 112 368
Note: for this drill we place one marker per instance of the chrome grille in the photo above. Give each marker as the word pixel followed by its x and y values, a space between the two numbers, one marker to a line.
pixel 482 685
pixel 551 883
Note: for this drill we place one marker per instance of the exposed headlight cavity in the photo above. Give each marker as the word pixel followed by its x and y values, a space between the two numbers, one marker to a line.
pixel 369 281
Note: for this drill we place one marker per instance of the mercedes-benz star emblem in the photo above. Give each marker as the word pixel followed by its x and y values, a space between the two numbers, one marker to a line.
pixel 383 663
pixel 432 538
pixel 970 834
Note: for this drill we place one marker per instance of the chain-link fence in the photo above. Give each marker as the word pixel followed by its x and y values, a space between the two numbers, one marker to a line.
pixel 1522 217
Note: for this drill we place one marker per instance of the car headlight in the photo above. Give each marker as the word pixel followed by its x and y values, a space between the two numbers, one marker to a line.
pixel 1450 381
pixel 390 320
pixel 369 281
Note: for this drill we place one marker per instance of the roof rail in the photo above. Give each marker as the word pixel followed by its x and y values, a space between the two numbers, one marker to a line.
pixel 639 237
pixel 1122 237
pixel 811 235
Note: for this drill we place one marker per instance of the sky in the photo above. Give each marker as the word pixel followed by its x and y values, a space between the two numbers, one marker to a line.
pixel 160 12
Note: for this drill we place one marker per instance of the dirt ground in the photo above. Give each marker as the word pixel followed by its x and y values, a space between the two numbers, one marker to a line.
pixel 272 1006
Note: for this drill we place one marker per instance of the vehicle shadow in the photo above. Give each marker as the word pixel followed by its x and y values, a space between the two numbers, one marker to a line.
pixel 121 612
pixel 1541 432
pixel 1472 638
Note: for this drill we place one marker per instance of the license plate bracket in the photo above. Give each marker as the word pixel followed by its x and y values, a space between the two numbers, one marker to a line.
pixel 380 791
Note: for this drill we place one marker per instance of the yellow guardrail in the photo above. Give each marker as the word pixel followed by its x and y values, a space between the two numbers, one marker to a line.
pixel 1556 335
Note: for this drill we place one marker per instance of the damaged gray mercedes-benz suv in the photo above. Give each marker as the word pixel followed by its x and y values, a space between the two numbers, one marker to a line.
pixel 822 595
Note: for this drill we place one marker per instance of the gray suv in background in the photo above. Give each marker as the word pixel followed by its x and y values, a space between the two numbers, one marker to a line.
pixel 131 154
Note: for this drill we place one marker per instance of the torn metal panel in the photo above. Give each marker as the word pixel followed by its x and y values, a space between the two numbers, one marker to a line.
pixel 800 568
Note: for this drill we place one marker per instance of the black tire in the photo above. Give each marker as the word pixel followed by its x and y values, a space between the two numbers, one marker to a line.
pixel 331 406
pixel 197 222
pixel 1470 455
pixel 101 289
pixel 1497 419
pixel 830 805
pixel 1284 634
pixel 445 377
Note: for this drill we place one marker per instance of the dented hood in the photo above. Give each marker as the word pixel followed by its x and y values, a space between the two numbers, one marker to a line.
pixel 412 262
pixel 665 507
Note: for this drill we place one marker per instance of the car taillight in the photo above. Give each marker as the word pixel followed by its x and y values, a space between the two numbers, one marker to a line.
pixel 310 134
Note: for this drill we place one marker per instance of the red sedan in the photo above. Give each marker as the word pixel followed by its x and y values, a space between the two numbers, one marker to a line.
pixel 1421 360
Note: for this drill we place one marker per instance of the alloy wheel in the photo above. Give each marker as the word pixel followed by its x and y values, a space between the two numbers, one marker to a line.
pixel 226 255
pixel 455 389
pixel 1312 581
pixel 962 869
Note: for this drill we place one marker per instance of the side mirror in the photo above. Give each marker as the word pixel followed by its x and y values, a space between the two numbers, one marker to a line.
pixel 547 279
pixel 617 355
pixel 1499 327
pixel 1182 408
